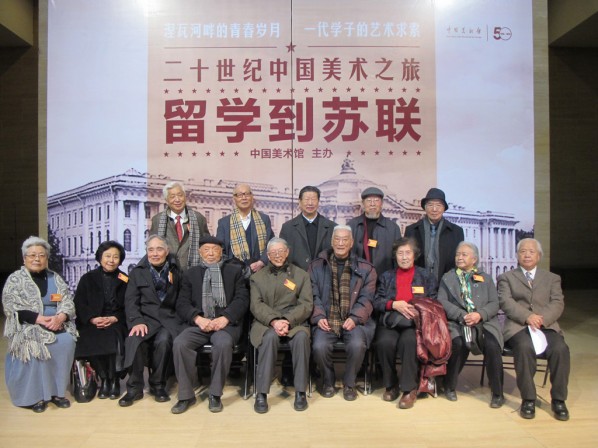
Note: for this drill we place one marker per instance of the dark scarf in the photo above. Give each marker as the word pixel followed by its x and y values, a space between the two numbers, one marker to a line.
pixel 160 279
pixel 340 293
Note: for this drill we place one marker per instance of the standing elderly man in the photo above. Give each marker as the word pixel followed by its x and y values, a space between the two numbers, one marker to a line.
pixel 245 232
pixel 150 302
pixel 281 303
pixel 180 225
pixel 213 299
pixel 532 300
pixel 343 287
pixel 309 233
pixel 373 233
pixel 437 237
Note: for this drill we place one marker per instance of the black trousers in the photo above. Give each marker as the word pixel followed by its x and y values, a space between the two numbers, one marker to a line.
pixel 492 355
pixel 104 365
pixel 158 349
pixel 391 342
pixel 559 363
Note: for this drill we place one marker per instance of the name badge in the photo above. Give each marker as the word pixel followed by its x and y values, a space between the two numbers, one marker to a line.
pixel 55 297
pixel 123 277
pixel 289 284
pixel 170 277
pixel 478 278
pixel 417 289
pixel 372 243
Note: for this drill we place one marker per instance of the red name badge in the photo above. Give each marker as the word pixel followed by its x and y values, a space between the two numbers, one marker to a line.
pixel 289 284
pixel 478 278
pixel 170 277
pixel 372 243
pixel 123 277
pixel 56 298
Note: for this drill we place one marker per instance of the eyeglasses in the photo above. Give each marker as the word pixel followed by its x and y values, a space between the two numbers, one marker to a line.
pixel 243 195
pixel 34 256
pixel 375 200
pixel 277 252
pixel 434 205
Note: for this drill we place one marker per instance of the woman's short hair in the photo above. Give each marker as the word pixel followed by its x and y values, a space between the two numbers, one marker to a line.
pixel 169 186
pixel 276 240
pixel 473 247
pixel 103 247
pixel 35 241
pixel 406 241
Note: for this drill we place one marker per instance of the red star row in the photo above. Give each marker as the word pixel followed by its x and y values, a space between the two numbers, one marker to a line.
pixel 236 153
pixel 292 90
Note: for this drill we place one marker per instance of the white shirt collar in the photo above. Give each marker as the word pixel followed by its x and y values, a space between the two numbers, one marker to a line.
pixel 532 272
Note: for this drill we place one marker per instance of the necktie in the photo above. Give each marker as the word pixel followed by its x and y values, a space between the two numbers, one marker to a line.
pixel 529 278
pixel 179 228
pixel 433 230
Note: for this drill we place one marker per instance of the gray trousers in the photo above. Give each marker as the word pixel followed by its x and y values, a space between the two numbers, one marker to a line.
pixel 355 347
pixel 185 357
pixel 268 352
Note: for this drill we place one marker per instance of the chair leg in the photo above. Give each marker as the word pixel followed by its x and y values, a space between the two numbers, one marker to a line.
pixel 545 375
pixel 255 355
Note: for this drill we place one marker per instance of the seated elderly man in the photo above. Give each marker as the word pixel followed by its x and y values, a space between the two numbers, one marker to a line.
pixel 532 301
pixel 343 287
pixel 214 299
pixel 150 302
pixel 281 303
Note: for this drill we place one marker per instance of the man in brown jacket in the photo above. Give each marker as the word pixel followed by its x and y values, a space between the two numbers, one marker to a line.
pixel 281 303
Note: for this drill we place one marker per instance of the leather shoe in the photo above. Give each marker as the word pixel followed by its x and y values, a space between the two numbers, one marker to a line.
pixel 114 389
pixel 182 405
pixel 39 407
pixel 349 393
pixel 159 394
pixel 560 410
pixel 327 391
pixel 129 398
pixel 214 403
pixel 408 399
pixel 497 401
pixel 261 404
pixel 450 395
pixel 528 409
pixel 61 402
pixel 104 391
pixel 300 401
pixel 391 393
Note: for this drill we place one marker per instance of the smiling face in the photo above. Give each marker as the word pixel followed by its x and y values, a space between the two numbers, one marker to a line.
pixel 157 251
pixel 277 254
pixel 405 256
pixel 342 242
pixel 36 259
pixel 110 259
pixel 176 199
pixel 309 203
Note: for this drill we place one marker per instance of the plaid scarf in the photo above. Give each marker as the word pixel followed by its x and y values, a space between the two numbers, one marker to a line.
pixel 340 293
pixel 160 280
pixel 238 239
pixel 212 294
pixel 194 234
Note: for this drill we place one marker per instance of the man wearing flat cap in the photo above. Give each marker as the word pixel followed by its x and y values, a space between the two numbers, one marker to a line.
pixel 437 237
pixel 373 233
pixel 214 299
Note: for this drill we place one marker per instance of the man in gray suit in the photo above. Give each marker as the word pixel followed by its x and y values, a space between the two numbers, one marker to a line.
pixel 309 233
pixel 180 225
pixel 532 301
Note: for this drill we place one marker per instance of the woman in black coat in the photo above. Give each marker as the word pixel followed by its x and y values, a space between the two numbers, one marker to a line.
pixel 99 304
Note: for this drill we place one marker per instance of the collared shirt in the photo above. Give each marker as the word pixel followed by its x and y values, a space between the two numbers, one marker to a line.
pixel 310 220
pixel 532 272
pixel 245 220
pixel 184 218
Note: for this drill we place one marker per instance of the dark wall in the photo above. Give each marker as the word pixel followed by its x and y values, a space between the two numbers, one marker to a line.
pixel 574 162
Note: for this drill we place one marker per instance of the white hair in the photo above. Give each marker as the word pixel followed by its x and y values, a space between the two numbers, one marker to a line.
pixel 538 245
pixel 35 241
pixel 276 240
pixel 169 186
pixel 342 227
pixel 473 247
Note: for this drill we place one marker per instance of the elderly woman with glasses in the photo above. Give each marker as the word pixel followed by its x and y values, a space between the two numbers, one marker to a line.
pixel 39 313
pixel 470 300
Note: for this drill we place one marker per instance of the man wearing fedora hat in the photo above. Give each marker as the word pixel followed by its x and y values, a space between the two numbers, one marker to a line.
pixel 437 238
pixel 214 299
pixel 373 233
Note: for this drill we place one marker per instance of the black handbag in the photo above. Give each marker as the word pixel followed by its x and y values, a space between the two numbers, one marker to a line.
pixel 394 319
pixel 476 344
pixel 84 380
